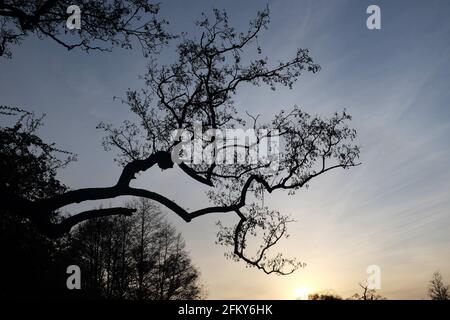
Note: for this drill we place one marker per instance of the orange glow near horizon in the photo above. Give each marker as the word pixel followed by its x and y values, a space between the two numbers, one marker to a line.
pixel 302 293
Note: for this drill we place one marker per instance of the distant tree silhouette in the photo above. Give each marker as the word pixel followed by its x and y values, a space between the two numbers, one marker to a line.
pixel 200 86
pixel 104 24
pixel 367 294
pixel 324 296
pixel 142 257
pixel 437 290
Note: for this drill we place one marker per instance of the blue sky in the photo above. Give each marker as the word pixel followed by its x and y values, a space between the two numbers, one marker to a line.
pixel 392 211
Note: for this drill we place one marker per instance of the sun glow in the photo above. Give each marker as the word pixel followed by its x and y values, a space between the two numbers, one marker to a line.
pixel 301 293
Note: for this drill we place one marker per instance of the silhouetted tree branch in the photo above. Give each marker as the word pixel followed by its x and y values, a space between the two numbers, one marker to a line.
pixel 104 24
pixel 199 87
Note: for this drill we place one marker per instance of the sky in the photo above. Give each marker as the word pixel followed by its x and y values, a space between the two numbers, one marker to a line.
pixel 393 211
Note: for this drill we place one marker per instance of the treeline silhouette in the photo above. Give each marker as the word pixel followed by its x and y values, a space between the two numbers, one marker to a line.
pixel 437 290
pixel 141 257
pixel 138 257
pixel 366 293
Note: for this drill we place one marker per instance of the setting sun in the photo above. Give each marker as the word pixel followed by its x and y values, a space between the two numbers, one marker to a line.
pixel 301 293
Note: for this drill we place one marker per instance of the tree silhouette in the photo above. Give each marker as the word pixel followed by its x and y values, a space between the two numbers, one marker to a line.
pixel 104 24
pixel 437 290
pixel 140 257
pixel 327 295
pixel 32 265
pixel 29 166
pixel 199 87
pixel 366 294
